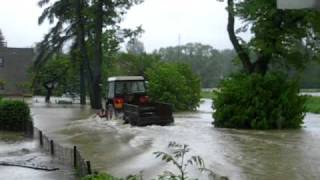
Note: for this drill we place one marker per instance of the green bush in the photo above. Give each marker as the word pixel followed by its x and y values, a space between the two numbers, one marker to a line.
pixel 258 102
pixel 175 84
pixel 14 115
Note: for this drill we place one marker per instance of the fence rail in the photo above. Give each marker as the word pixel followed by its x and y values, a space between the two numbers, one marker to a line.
pixel 68 156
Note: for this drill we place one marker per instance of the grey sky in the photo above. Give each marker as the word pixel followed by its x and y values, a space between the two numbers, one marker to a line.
pixel 163 20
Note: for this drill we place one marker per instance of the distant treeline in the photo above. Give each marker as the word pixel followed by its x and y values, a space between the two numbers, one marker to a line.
pixel 310 78
pixel 212 65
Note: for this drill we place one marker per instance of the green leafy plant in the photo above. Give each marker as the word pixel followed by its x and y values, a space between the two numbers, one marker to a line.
pixel 14 115
pixel 180 160
pixel 105 176
pixel 258 102
pixel 175 84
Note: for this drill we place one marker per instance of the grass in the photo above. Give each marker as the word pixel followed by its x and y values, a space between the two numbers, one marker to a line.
pixel 313 104
pixel 309 90
pixel 206 94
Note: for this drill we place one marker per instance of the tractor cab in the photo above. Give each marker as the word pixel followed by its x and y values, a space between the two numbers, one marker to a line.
pixel 126 89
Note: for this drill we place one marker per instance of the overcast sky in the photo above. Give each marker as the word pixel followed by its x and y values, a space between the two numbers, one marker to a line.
pixel 163 20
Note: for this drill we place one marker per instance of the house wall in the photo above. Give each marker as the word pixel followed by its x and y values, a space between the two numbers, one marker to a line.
pixel 16 62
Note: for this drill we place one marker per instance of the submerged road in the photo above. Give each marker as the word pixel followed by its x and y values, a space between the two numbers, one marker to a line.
pixel 239 154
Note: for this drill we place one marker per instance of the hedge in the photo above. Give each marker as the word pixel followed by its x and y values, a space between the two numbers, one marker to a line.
pixel 14 115
pixel 259 102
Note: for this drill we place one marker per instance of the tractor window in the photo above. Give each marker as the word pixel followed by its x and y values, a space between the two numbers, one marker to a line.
pixel 111 90
pixel 130 87
pixel 136 87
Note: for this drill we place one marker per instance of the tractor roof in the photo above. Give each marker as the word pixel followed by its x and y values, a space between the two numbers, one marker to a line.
pixel 126 78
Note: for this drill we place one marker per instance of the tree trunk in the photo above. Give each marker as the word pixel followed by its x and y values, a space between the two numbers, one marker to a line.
pixel 49 94
pixel 82 84
pixel 96 84
pixel 84 52
pixel 243 55
pixel 261 66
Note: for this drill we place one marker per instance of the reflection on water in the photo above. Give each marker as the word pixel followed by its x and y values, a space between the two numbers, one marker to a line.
pixel 240 154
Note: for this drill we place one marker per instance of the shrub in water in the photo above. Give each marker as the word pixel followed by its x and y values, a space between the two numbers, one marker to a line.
pixel 13 115
pixel 175 84
pixel 258 102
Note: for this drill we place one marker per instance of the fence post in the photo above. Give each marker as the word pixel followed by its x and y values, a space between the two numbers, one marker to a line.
pixel 75 156
pixel 89 167
pixel 40 138
pixel 51 147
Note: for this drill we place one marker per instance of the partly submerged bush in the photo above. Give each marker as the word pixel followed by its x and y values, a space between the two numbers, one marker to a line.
pixel 14 115
pixel 175 84
pixel 258 102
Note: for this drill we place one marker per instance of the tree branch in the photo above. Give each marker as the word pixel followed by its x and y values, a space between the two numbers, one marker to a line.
pixel 243 55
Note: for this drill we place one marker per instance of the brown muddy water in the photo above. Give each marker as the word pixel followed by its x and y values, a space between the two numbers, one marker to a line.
pixel 239 154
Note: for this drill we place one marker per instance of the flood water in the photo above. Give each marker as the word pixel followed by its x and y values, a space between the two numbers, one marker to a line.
pixel 15 148
pixel 239 154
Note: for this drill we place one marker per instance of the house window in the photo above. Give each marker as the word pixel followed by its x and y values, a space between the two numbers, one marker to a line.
pixel 1 62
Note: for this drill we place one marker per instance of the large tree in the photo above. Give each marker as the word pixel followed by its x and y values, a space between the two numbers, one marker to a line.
pixel 84 22
pixel 69 20
pixel 259 98
pixel 286 37
pixel 107 15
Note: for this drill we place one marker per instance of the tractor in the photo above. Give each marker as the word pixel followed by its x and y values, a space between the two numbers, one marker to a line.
pixel 127 99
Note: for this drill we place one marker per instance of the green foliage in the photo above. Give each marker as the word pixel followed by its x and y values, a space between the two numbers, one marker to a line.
pixel 178 158
pixel 310 76
pixel 58 70
pixel 258 102
pixel 286 37
pixel 130 64
pixel 209 63
pixel 92 28
pixel 313 104
pixel 105 176
pixel 14 115
pixel 207 94
pixel 134 46
pixel 175 84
